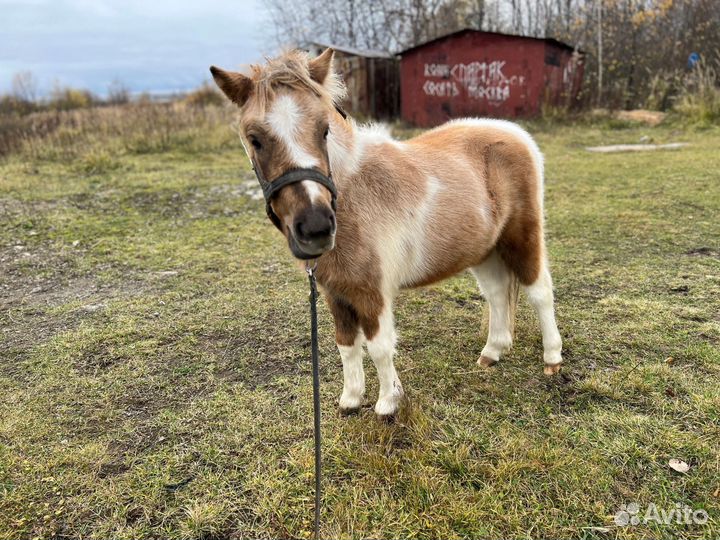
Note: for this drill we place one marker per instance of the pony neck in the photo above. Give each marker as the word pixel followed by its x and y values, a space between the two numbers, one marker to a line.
pixel 343 148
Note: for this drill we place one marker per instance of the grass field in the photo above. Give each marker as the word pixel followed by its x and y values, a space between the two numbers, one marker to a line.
pixel 155 374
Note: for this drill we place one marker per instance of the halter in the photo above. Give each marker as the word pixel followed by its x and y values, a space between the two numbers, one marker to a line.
pixel 292 176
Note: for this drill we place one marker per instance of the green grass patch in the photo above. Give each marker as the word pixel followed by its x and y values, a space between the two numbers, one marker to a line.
pixel 155 374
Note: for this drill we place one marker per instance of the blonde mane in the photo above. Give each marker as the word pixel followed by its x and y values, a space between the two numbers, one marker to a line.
pixel 290 69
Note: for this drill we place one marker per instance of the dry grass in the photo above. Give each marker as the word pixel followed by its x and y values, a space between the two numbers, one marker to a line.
pixel 699 100
pixel 154 372
pixel 131 128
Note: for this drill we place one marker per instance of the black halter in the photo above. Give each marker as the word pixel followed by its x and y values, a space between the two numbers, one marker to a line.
pixel 293 176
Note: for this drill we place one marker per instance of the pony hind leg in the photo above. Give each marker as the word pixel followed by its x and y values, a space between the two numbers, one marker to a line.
pixel 523 250
pixel 540 295
pixel 499 287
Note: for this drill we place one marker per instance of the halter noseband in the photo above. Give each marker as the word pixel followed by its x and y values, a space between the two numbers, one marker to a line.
pixel 292 176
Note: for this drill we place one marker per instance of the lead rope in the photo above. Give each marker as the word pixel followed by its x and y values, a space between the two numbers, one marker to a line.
pixel 316 390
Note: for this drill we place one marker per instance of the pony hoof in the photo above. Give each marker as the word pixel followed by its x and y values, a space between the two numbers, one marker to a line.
pixel 387 418
pixel 485 361
pixel 552 369
pixel 349 411
pixel 389 405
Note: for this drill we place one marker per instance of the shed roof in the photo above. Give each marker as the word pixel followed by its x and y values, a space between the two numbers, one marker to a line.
pixel 552 41
pixel 367 53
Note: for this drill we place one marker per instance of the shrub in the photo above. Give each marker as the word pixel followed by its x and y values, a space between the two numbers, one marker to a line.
pixel 16 105
pixel 699 98
pixel 97 162
pixel 663 89
pixel 118 93
pixel 206 95
pixel 66 99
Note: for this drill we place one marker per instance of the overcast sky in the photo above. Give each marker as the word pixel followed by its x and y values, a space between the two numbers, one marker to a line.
pixel 149 45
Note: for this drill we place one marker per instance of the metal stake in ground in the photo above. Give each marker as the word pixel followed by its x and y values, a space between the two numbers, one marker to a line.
pixel 316 390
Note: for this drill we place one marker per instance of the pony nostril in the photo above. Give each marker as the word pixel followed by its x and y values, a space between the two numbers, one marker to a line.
pixel 315 226
pixel 299 229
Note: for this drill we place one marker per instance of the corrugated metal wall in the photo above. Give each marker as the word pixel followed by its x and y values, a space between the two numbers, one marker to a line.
pixel 474 73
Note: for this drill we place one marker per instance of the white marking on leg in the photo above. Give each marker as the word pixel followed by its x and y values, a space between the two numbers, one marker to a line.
pixel 353 374
pixel 284 118
pixel 494 280
pixel 540 295
pixel 382 350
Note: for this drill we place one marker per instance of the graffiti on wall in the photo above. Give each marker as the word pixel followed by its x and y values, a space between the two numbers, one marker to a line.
pixel 479 80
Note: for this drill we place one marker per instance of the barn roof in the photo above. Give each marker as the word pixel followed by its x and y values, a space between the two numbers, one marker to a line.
pixel 552 41
pixel 367 53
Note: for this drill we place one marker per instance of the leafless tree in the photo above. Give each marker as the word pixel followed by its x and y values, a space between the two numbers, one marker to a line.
pixel 370 24
pixel 645 42
pixel 24 86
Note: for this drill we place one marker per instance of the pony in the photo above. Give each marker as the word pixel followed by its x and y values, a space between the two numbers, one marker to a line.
pixel 467 195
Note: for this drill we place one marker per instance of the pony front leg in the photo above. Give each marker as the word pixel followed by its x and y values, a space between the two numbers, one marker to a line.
pixel 353 393
pixel 349 341
pixel 381 340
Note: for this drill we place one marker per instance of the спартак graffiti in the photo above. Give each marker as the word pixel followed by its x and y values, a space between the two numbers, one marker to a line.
pixel 481 80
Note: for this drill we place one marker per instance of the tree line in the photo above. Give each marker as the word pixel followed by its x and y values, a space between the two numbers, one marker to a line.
pixel 636 52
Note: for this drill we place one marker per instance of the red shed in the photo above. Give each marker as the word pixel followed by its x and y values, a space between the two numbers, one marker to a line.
pixel 474 73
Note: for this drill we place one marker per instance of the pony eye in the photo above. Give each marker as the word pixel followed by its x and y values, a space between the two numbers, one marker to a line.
pixel 256 144
pixel 325 134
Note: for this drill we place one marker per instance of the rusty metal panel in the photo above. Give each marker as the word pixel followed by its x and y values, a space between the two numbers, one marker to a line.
pixel 353 71
pixel 384 87
pixel 372 85
pixel 480 74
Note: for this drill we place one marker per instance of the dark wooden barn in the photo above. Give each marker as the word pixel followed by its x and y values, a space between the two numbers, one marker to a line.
pixel 474 73
pixel 371 78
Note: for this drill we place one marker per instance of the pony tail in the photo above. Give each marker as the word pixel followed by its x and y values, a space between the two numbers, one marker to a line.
pixel 513 294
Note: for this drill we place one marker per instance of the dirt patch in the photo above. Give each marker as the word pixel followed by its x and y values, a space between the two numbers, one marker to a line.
pixel 704 251
pixel 33 281
pixel 615 148
pixel 259 356
pixel 193 203
pixel 651 118
pixel 36 280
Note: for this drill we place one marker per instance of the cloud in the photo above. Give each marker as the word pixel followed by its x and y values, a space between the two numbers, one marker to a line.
pixel 145 44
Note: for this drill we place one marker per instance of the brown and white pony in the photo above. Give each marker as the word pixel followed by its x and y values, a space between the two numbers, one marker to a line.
pixel 465 195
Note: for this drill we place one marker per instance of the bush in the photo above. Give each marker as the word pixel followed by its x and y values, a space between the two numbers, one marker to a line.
pixel 97 162
pixel 699 99
pixel 118 93
pixel 206 95
pixel 67 99
pixel 15 105
pixel 663 89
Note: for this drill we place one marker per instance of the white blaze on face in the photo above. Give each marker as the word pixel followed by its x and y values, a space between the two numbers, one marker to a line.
pixel 285 119
pixel 312 189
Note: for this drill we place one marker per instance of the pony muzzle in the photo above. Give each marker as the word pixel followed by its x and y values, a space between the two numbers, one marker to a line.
pixel 313 232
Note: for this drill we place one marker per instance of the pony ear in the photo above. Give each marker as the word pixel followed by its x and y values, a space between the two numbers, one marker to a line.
pixel 235 86
pixel 321 66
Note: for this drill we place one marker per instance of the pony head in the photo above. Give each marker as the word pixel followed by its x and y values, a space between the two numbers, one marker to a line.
pixel 286 107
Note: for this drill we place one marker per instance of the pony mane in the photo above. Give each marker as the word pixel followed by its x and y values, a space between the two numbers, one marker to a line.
pixel 290 69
